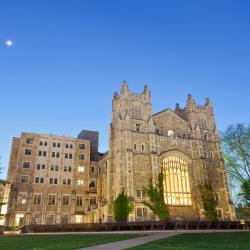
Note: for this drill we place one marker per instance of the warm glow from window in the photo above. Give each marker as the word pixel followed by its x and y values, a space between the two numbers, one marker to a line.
pixel 170 133
pixel 176 181
pixel 78 219
pixel 81 169
pixel 79 182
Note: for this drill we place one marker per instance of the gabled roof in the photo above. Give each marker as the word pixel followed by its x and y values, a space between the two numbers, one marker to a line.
pixel 169 109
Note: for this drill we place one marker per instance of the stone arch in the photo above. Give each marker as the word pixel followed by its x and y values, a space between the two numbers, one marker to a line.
pixel 175 166
pixel 136 111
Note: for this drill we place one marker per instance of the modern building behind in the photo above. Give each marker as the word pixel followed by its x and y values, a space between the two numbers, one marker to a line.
pixel 51 180
pixel 57 179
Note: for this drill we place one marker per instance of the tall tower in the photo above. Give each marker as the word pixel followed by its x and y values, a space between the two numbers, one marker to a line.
pixel 129 139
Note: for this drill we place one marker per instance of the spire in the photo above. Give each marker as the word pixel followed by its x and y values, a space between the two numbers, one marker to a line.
pixel 115 96
pixel 190 103
pixel 146 89
pixel 208 103
pixel 177 107
pixel 190 100
pixel 124 88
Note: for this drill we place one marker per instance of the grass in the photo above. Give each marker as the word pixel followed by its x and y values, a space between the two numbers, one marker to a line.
pixel 58 242
pixel 201 241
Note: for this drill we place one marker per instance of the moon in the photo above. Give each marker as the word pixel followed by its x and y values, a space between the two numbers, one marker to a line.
pixel 8 43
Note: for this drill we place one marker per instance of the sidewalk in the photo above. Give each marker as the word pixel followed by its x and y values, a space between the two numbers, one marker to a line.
pixel 149 236
pixel 146 238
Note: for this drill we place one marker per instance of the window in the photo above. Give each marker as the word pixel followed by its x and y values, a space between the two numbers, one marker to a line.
pixel 141 213
pixel 178 134
pixel 44 153
pixel 58 145
pixel 52 167
pixel 37 199
pixel 57 154
pixel 136 111
pixel 138 127
pixel 39 180
pixel 54 144
pixel 79 200
pixel 41 143
pixel 45 143
pixel 56 168
pixel 71 146
pixel 81 146
pixel 53 181
pixel 176 181
pixel 24 179
pixel 92 183
pixel 67 169
pixel 66 156
pixel 78 218
pixel 70 156
pixel 81 169
pixel 52 199
pixel 170 133
pixel 65 219
pixel 92 170
pixel 161 131
pixel 92 201
pixel 216 196
pixel 53 154
pixel 79 182
pixel 40 153
pixel 26 164
pixel 205 137
pixel 22 198
pixel 135 146
pixel 29 141
pixel 65 200
pixel 220 213
pixel 142 147
pixel 206 154
pixel 39 166
pixel 140 193
pixel 81 157
pixel 67 146
pixel 51 219
pixel 27 151
pixel 212 154
pixel 66 181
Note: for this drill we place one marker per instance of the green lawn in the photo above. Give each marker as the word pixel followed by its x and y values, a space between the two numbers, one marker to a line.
pixel 202 241
pixel 57 242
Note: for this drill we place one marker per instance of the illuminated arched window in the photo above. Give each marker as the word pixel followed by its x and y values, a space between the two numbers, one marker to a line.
pixel 176 181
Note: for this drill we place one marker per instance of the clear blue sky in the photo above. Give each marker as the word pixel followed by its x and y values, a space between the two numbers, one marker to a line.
pixel 70 56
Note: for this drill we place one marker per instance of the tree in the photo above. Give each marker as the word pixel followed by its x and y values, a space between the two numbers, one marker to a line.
pixel 236 147
pixel 156 203
pixel 122 208
pixel 1 172
pixel 209 202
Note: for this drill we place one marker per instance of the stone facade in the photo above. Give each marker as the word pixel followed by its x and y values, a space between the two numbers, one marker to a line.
pixel 182 143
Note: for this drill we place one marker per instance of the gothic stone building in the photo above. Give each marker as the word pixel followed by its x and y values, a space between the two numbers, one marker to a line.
pixel 56 179
pixel 183 143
